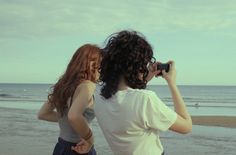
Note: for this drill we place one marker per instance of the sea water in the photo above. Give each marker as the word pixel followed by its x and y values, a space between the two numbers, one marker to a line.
pixel 200 100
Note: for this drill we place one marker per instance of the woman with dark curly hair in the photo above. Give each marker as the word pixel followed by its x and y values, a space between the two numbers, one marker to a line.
pixel 130 116
pixel 71 102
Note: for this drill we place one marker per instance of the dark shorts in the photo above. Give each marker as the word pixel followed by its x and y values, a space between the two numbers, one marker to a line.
pixel 64 148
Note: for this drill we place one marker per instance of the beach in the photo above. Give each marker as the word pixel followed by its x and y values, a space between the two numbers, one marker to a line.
pixel 22 134
pixel 221 121
pixel 213 133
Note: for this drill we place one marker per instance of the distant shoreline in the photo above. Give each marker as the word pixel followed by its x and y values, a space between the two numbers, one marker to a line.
pixel 221 121
pixel 204 120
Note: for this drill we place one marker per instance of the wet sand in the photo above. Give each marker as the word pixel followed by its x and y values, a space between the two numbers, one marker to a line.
pixel 22 134
pixel 223 121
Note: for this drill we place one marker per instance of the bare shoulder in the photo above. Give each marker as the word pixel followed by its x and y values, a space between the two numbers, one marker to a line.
pixel 86 86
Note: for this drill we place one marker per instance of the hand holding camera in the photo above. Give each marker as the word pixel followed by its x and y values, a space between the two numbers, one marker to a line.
pixel 167 71
pixel 163 66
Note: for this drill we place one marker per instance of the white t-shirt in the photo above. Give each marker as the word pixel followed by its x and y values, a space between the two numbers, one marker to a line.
pixel 131 120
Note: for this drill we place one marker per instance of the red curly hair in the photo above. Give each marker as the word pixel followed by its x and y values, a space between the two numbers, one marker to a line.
pixel 77 70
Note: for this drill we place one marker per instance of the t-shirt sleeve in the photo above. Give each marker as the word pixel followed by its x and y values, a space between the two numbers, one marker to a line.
pixel 156 115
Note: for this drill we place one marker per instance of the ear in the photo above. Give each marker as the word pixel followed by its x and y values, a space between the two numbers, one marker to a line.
pixel 91 65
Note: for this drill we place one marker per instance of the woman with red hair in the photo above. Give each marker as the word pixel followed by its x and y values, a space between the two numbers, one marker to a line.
pixel 71 102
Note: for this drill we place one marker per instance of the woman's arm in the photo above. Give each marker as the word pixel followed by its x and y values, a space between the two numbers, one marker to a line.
pixel 47 113
pixel 183 123
pixel 81 98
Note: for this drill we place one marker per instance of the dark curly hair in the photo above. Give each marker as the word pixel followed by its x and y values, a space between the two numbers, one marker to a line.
pixel 127 54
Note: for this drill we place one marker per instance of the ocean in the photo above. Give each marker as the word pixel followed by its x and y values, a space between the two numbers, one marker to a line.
pixel 200 100
pixel 21 133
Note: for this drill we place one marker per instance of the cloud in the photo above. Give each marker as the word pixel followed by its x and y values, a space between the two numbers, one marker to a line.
pixel 28 19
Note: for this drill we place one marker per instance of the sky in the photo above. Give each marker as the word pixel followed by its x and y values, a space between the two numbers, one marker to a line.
pixel 38 38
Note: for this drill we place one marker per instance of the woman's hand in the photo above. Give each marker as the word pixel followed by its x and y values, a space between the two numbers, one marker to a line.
pixel 152 68
pixel 170 76
pixel 83 146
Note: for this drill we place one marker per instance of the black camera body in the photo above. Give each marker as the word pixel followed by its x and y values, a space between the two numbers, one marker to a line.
pixel 161 67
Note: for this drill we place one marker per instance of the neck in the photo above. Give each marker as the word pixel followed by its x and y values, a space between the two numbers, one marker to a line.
pixel 122 85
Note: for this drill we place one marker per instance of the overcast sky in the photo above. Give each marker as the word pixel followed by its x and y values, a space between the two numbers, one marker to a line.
pixel 38 38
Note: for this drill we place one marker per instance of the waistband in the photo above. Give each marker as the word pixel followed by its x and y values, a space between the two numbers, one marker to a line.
pixel 68 144
pixel 65 143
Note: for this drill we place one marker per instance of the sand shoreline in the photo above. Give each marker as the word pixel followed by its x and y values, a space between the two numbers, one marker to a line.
pixel 221 121
pixel 203 120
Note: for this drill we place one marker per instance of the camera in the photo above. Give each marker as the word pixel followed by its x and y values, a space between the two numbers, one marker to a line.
pixel 161 67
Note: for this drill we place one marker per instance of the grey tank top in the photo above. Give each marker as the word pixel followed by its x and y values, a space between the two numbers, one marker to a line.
pixel 66 131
